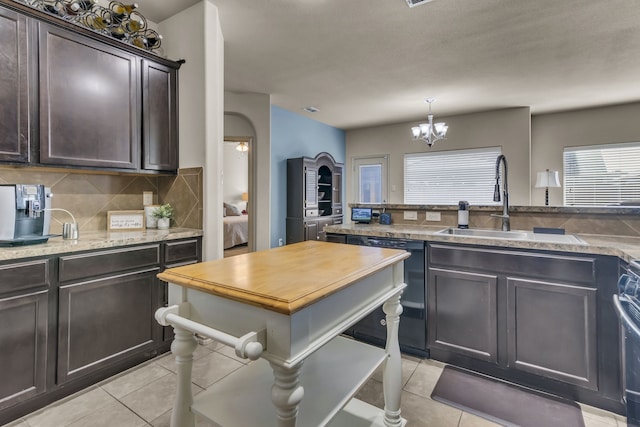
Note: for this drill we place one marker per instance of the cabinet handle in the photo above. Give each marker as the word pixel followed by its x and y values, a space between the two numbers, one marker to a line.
pixel 383 322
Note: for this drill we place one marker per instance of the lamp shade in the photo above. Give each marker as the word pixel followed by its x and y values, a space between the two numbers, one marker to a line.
pixel 548 179
pixel 245 197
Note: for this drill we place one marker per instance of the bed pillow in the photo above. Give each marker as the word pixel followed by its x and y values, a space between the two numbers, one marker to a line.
pixel 232 210
pixel 224 211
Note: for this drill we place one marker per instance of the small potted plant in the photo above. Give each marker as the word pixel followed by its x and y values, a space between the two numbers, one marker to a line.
pixel 164 215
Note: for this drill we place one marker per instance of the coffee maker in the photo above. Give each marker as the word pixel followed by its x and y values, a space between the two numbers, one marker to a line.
pixel 23 216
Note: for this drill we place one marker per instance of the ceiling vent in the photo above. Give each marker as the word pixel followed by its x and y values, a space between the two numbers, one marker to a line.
pixel 414 3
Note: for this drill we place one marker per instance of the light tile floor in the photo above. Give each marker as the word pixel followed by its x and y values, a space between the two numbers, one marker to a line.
pixel 143 396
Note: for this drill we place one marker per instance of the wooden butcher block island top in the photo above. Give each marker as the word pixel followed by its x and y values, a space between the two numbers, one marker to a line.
pixel 288 278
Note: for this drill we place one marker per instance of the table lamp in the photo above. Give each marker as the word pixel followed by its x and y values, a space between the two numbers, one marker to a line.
pixel 545 180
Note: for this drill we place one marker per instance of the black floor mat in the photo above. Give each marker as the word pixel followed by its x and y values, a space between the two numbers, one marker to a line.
pixel 504 403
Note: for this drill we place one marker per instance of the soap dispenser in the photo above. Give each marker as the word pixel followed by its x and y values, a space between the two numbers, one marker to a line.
pixel 463 214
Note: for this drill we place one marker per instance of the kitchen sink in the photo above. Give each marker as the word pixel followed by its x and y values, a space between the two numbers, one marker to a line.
pixel 512 235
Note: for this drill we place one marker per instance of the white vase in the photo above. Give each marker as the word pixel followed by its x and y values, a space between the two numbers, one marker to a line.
pixel 150 221
pixel 163 223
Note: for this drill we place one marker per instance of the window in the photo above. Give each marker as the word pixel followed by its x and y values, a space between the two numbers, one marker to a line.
pixel 371 179
pixel 602 175
pixel 446 177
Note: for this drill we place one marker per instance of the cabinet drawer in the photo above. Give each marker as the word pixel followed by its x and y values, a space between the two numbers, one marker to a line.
pixel 181 251
pixel 559 267
pixel 24 275
pixel 74 267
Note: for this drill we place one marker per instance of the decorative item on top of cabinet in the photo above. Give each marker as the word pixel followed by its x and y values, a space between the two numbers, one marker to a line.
pixel 120 21
pixel 314 196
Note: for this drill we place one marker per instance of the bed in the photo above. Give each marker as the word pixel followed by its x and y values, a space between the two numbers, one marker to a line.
pixel 236 230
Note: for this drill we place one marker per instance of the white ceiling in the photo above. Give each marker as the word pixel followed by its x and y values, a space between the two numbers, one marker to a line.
pixel 370 62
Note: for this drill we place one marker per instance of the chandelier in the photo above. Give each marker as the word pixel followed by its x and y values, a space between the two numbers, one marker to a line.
pixel 430 132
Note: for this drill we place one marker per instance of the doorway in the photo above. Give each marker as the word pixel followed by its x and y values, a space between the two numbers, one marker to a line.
pixel 236 195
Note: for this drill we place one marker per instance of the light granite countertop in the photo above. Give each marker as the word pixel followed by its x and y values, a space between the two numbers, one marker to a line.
pixel 96 240
pixel 626 248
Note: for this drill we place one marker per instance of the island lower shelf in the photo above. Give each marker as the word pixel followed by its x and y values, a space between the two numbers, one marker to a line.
pixel 330 377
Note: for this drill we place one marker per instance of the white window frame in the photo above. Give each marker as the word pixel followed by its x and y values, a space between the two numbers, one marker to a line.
pixel 383 162
pixel 601 175
pixel 446 177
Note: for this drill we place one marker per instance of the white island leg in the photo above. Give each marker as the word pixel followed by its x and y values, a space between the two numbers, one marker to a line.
pixel 286 393
pixel 392 373
pixel 183 346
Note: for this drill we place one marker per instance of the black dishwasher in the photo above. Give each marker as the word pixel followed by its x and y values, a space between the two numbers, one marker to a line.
pixel 413 321
pixel 627 305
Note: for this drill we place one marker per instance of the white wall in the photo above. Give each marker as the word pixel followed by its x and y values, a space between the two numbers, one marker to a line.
pixel 550 133
pixel 256 109
pixel 236 174
pixel 195 35
pixel 507 128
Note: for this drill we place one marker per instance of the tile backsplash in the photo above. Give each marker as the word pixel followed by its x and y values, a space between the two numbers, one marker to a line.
pixel 620 221
pixel 89 196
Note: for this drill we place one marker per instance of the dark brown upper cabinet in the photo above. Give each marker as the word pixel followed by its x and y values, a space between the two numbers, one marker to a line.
pixel 73 98
pixel 14 87
pixel 159 113
pixel 89 102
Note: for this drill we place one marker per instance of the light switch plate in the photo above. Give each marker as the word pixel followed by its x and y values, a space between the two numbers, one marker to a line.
pixel 411 215
pixel 433 216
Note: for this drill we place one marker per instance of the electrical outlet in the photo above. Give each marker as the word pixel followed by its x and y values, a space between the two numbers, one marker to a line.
pixel 411 215
pixel 433 216
pixel 281 242
pixel 147 198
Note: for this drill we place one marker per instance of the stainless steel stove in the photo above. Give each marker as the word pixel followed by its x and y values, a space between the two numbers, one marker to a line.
pixel 627 304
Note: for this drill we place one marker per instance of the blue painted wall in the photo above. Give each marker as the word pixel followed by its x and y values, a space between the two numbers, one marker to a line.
pixel 294 135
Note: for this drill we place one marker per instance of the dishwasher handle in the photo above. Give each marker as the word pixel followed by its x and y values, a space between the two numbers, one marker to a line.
pixel 618 300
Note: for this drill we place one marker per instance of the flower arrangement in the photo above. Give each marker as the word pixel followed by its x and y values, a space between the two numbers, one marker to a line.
pixel 164 211
pixel 164 215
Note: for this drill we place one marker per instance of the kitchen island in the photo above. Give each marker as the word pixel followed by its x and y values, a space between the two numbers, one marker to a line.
pixel 297 299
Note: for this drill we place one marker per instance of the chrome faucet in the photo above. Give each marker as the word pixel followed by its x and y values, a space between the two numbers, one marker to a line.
pixel 506 225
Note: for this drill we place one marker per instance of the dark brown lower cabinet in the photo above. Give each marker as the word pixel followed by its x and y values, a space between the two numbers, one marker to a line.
pixel 557 317
pixel 103 321
pixel 24 310
pixel 464 312
pixel 71 320
pixel 541 319
pixel 24 346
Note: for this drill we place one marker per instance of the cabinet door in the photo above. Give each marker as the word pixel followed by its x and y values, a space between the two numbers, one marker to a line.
pixel 23 347
pixel 551 330
pixel 176 254
pixel 311 230
pixel 463 313
pixel 322 223
pixel 159 112
pixel 104 321
pixel 310 186
pixel 337 190
pixel 89 98
pixel 14 87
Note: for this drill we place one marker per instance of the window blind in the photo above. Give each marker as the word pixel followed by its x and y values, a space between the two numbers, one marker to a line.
pixel 602 175
pixel 446 177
